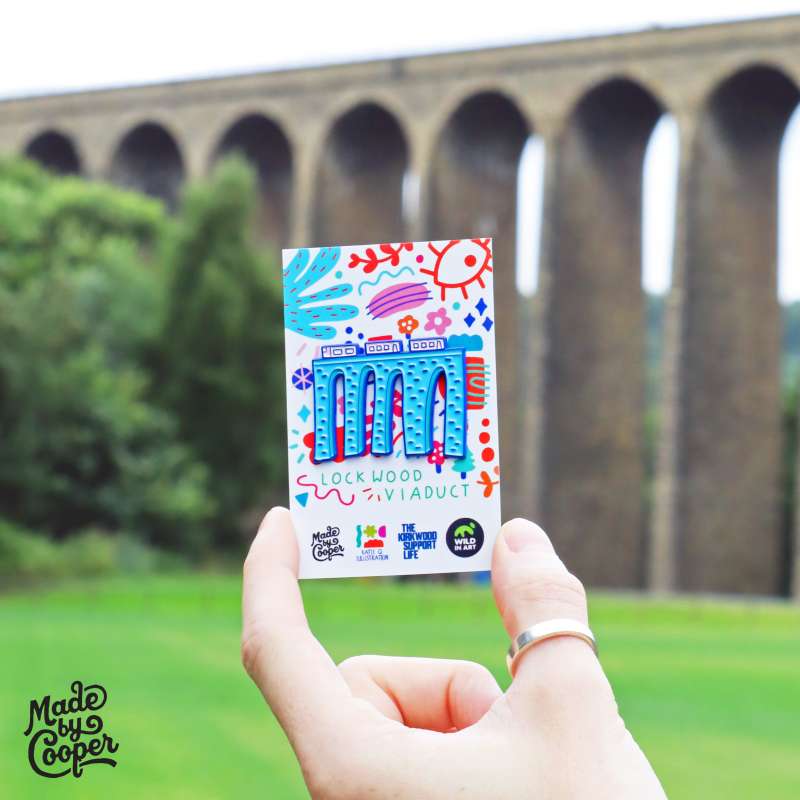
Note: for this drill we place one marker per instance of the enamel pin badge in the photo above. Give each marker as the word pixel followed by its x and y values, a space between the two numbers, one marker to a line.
pixel 392 407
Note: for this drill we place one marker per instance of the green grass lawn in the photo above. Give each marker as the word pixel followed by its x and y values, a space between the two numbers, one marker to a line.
pixel 710 690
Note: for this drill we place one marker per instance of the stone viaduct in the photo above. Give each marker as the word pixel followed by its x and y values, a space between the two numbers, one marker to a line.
pixel 334 148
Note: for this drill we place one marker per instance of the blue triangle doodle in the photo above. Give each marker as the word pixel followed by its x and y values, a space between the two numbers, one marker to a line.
pixel 302 498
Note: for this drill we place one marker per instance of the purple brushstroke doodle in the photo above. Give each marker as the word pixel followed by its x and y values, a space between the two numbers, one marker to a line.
pixel 397 298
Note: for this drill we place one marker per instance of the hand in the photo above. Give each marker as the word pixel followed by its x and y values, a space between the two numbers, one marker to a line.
pixel 442 729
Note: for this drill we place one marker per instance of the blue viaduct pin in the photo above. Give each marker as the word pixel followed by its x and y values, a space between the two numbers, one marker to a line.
pixel 385 362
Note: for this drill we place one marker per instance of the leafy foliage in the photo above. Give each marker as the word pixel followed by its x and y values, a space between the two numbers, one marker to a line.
pixel 140 361
pixel 82 444
pixel 222 344
pixel 27 557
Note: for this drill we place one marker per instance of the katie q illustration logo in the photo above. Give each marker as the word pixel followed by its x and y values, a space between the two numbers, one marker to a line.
pixel 464 537
pixel 370 541
pixel 65 734
pixel 325 545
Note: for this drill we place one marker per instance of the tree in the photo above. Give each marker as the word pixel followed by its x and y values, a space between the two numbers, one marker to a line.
pixel 80 294
pixel 221 344
pixel 464 465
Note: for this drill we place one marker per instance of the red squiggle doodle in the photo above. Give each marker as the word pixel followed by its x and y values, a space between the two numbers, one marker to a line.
pixel 315 487
pixel 371 259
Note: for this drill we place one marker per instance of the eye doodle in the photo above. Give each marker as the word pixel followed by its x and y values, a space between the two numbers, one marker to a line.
pixel 459 263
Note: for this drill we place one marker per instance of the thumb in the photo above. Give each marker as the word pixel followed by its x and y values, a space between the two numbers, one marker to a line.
pixel 559 685
pixel 532 585
pixel 530 582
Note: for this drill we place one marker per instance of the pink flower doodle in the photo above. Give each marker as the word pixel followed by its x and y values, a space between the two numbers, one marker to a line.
pixel 438 321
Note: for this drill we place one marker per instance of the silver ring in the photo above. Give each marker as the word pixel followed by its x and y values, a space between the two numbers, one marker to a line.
pixel 547 630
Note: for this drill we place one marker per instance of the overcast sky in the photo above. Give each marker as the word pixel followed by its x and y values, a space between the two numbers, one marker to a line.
pixel 52 45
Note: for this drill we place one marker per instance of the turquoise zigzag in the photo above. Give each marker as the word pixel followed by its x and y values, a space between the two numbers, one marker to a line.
pixel 382 275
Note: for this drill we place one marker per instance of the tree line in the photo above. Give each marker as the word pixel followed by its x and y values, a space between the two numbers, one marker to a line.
pixel 141 372
pixel 141 353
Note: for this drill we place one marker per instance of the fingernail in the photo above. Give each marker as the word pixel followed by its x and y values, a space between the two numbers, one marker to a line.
pixel 520 535
pixel 268 519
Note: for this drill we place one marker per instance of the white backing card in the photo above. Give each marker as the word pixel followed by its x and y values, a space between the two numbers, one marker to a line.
pixel 391 388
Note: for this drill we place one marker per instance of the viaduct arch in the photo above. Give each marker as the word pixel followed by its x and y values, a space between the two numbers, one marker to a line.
pixel 55 151
pixel 262 142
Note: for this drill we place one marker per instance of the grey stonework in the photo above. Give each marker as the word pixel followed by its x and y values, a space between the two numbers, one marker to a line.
pixel 333 147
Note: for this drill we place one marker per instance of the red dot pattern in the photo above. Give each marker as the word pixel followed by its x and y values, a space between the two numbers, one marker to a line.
pixel 484 437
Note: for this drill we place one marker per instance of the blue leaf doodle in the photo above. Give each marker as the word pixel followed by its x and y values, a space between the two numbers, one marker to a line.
pixel 307 312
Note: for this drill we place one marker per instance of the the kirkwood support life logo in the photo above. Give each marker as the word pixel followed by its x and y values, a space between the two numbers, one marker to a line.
pixel 67 734
pixel 414 541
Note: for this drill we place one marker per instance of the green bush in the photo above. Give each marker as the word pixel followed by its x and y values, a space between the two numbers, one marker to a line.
pixel 83 442
pixel 25 555
pixel 48 222
pixel 140 360
pixel 28 557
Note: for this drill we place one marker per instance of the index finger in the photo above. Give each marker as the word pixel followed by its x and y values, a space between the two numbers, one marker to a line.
pixel 291 668
pixel 432 693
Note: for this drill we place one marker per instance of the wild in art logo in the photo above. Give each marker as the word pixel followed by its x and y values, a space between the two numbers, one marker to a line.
pixel 464 537
pixel 325 545
pixel 66 734
pixel 414 541
pixel 370 540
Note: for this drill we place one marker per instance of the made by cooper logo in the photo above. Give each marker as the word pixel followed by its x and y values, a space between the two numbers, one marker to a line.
pixel 464 537
pixel 325 545
pixel 66 735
